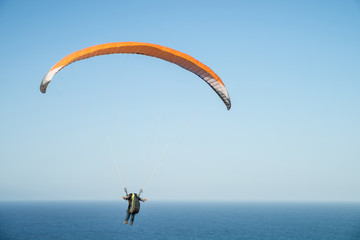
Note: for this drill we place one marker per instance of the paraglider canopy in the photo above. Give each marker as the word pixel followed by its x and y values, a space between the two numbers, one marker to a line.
pixel 179 58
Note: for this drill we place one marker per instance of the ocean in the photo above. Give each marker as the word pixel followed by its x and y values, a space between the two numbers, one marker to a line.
pixel 176 220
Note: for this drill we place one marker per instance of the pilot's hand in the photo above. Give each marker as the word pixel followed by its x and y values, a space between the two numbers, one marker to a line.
pixel 123 197
pixel 144 199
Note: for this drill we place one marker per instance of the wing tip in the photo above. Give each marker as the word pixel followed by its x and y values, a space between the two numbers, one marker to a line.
pixel 43 87
pixel 228 103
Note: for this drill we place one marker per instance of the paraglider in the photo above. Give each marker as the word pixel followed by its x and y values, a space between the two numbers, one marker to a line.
pixel 133 207
pixel 153 50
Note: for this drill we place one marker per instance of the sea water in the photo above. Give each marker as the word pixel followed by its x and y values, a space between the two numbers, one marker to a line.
pixel 171 220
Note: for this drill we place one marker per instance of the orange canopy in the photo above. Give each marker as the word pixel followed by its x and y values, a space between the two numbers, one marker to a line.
pixel 181 59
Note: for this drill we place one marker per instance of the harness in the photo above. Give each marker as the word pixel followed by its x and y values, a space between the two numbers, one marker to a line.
pixel 132 202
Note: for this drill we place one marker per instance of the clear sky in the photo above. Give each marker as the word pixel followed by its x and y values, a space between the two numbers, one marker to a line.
pixel 292 69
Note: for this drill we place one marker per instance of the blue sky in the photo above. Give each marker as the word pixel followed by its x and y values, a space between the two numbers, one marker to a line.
pixel 291 69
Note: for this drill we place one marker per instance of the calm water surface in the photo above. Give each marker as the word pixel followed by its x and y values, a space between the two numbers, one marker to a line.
pixel 103 220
